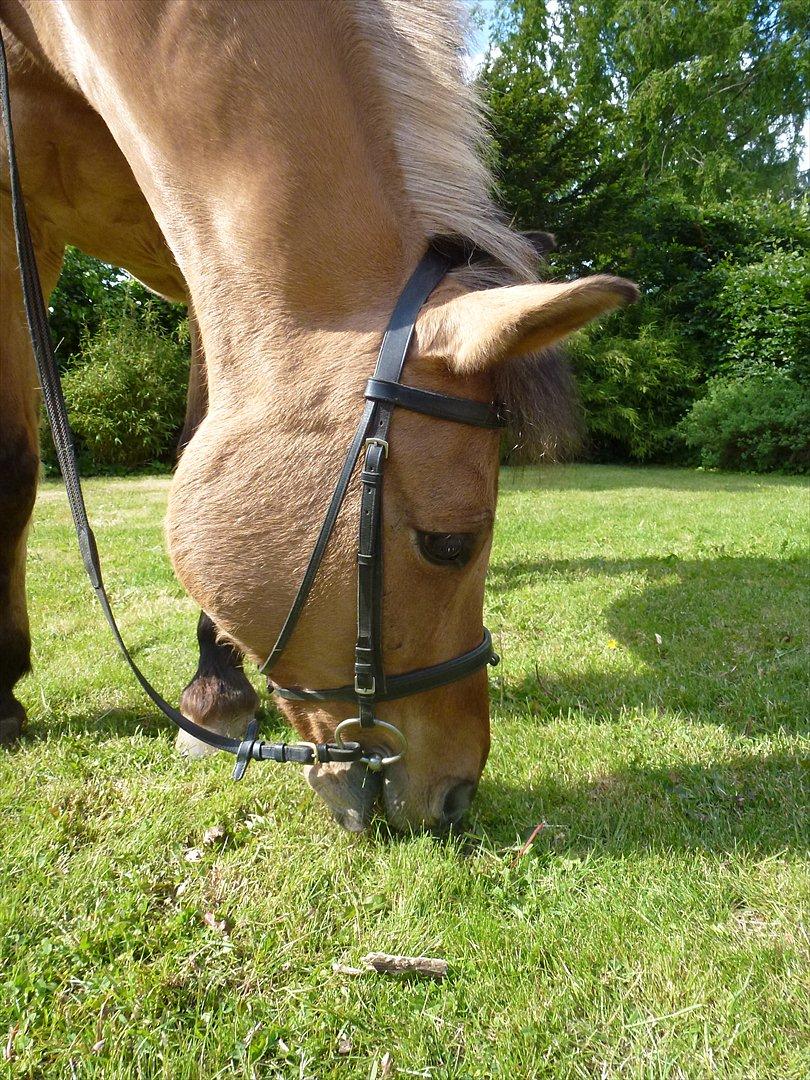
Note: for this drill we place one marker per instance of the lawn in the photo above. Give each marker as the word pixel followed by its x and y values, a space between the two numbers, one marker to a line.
pixel 650 712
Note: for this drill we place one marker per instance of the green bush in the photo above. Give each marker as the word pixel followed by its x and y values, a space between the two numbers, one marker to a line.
pixel 762 312
pixel 90 293
pixel 759 423
pixel 126 397
pixel 633 381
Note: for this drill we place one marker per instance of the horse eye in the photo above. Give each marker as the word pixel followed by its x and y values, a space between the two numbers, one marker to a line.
pixel 446 548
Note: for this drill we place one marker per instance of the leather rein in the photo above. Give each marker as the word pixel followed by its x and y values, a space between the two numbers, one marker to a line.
pixel 384 392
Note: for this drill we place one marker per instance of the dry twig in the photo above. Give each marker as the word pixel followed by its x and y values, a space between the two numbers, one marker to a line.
pixel 386 964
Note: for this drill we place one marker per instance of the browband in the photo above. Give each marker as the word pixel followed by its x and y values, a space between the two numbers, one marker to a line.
pixel 444 406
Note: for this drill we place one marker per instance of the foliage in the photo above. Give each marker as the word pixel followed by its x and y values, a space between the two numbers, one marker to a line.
pixel 764 310
pixel 126 398
pixel 631 384
pixel 90 293
pixel 760 423
pixel 597 107
pixel 661 142
pixel 648 715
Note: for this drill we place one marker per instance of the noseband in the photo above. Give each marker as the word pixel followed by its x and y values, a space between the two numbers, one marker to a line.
pixel 383 393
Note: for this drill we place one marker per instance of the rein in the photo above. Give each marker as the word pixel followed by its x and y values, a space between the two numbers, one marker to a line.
pixel 383 393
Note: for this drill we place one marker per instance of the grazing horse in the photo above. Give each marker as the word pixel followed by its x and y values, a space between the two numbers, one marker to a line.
pixel 281 167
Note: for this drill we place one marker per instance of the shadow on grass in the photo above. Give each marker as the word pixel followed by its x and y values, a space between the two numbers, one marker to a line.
pixel 128 723
pixel 747 803
pixel 720 639
pixel 732 632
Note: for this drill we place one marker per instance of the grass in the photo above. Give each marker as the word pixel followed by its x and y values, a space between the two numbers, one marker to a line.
pixel 650 711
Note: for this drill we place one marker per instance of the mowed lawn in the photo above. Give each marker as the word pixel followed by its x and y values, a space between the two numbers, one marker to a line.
pixel 650 712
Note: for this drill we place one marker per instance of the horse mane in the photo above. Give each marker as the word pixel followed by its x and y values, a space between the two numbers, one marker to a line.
pixel 439 134
pixel 442 145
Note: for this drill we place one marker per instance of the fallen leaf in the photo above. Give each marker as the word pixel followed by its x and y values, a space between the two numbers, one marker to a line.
pixel 192 854
pixel 217 834
pixel 97 1046
pixel 386 1065
pixel 210 919
pixel 659 640
pixel 344 1047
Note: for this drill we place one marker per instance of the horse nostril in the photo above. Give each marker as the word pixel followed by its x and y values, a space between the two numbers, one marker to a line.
pixel 457 802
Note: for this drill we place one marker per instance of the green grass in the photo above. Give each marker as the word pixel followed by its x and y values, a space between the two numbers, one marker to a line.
pixel 658 926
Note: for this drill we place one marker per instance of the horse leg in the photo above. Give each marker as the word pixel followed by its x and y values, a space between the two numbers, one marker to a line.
pixel 19 463
pixel 219 697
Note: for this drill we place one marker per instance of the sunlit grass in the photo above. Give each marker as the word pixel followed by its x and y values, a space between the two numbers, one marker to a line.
pixel 650 712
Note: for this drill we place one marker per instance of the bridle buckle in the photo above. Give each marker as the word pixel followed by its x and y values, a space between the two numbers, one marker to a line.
pixel 374 440
pixel 365 691
pixel 313 747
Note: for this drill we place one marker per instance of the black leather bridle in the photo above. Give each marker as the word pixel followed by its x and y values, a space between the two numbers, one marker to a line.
pixel 384 392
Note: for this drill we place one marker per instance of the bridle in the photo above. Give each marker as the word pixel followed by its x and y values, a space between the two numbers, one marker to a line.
pixel 384 392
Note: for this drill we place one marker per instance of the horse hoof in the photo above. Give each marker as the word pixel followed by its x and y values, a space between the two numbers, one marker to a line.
pixel 189 747
pixel 223 703
pixel 194 749
pixel 12 723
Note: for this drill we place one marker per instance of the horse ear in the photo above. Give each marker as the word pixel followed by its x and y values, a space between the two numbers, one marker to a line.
pixel 542 242
pixel 485 328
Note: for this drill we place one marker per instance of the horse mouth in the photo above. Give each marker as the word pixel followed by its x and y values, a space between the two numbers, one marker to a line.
pixel 351 791
pixel 354 793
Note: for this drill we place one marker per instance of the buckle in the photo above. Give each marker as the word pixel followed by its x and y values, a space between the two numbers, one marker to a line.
pixel 313 747
pixel 374 441
pixel 358 689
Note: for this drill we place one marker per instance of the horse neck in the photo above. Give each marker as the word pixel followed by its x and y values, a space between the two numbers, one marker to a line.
pixel 266 162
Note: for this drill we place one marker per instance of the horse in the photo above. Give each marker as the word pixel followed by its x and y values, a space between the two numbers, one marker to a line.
pixel 281 168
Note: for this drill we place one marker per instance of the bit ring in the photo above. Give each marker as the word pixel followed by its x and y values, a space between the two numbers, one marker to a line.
pixel 374 761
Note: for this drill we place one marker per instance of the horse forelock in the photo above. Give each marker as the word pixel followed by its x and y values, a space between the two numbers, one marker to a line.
pixel 441 142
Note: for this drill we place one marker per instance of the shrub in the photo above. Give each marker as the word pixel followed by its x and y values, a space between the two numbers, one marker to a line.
pixel 90 293
pixel 760 422
pixel 633 382
pixel 762 312
pixel 126 398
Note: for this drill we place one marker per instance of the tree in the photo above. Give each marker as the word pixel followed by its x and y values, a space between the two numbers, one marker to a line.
pixel 660 141
pixel 596 106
